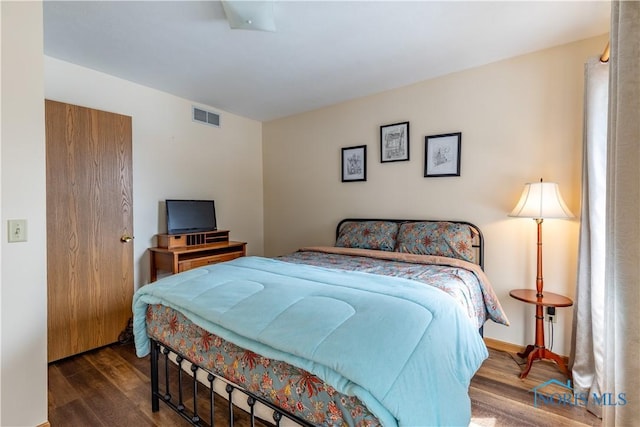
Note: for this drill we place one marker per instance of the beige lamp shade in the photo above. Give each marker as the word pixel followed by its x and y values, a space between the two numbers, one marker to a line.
pixel 541 200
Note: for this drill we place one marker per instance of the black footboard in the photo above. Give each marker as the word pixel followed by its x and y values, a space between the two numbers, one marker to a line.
pixel 161 355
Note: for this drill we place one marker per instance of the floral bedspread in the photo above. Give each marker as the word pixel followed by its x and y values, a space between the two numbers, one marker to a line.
pixel 294 390
pixel 478 299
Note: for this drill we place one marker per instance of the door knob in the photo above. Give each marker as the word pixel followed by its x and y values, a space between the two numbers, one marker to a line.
pixel 126 239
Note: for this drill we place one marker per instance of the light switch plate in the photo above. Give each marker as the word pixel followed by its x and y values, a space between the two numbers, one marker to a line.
pixel 17 230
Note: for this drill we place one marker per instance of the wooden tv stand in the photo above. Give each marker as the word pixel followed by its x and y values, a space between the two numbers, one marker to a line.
pixel 176 253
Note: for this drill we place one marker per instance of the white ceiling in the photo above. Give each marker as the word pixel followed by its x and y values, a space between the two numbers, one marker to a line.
pixel 322 53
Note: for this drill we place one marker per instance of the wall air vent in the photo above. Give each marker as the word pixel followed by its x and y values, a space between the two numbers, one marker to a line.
pixel 206 117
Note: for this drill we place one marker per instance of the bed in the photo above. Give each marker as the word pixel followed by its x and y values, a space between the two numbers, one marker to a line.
pixel 406 297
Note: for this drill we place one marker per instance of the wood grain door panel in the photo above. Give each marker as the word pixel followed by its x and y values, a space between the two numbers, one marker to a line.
pixel 89 208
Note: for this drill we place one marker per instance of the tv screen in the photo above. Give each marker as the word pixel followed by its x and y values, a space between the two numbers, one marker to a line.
pixel 190 216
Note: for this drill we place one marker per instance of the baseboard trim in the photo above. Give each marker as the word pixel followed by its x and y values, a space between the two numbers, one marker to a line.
pixel 502 345
pixel 44 424
pixel 510 348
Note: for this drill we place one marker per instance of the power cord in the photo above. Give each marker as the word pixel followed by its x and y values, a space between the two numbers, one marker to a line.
pixel 551 313
pixel 524 361
pixel 550 334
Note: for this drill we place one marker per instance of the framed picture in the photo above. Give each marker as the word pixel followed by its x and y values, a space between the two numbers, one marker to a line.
pixel 354 163
pixel 442 155
pixel 394 142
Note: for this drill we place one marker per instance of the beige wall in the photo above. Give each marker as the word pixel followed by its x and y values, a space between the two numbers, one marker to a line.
pixel 173 157
pixel 23 302
pixel 521 120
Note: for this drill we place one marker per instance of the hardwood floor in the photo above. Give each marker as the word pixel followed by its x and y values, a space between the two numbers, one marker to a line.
pixel 110 387
pixel 500 398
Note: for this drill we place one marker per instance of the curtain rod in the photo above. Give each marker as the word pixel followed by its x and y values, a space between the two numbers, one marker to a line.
pixel 605 55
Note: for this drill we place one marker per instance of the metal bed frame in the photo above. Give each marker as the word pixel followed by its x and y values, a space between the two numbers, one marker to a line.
pixel 187 373
pixel 186 370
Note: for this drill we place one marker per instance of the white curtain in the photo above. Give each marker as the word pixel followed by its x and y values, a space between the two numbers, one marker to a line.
pixel 587 349
pixel 622 270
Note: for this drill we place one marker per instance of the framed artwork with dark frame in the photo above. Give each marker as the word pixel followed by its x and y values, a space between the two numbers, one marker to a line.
pixel 442 155
pixel 394 142
pixel 354 163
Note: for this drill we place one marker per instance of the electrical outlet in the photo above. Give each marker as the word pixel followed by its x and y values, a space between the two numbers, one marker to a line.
pixel 17 230
pixel 551 314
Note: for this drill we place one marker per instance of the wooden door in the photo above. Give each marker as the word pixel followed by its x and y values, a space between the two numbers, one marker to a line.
pixel 89 214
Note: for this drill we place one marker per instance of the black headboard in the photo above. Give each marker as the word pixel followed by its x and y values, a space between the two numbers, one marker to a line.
pixel 478 238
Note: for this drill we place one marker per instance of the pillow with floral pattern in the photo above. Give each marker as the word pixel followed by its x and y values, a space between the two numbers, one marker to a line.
pixel 439 238
pixel 379 235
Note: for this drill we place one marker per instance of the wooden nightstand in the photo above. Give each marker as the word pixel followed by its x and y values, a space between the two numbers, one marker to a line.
pixel 538 351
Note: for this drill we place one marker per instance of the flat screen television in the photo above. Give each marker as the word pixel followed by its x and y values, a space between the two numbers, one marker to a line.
pixel 190 216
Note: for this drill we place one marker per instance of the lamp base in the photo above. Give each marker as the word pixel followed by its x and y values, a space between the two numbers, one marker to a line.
pixel 532 353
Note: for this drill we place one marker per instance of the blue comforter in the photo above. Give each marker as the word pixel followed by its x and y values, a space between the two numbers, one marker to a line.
pixel 407 353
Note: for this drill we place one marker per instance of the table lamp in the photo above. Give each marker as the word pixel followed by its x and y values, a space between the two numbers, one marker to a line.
pixel 540 200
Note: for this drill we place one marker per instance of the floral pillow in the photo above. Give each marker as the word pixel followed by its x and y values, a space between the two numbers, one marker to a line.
pixel 437 238
pixel 380 235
